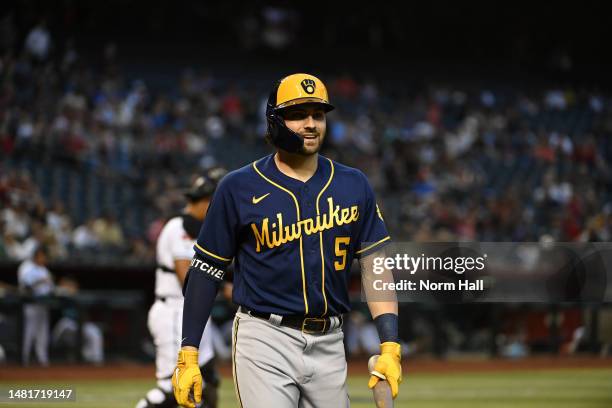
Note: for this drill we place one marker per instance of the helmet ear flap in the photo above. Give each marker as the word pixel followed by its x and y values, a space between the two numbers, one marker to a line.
pixel 277 132
pixel 281 136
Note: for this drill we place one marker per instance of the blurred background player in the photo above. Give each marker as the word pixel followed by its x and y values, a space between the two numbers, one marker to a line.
pixel 36 280
pixel 174 253
pixel 65 331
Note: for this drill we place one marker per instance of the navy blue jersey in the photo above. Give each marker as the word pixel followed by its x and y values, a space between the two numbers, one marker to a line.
pixel 292 242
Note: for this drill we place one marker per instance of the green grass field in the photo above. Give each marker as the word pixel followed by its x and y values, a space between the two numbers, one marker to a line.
pixel 577 388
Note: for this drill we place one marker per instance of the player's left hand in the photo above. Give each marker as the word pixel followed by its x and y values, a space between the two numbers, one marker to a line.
pixel 187 375
pixel 389 366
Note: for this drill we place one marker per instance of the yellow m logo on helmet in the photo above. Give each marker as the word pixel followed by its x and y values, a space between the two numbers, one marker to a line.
pixel 309 86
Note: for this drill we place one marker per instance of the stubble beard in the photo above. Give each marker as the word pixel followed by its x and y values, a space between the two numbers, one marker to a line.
pixel 311 150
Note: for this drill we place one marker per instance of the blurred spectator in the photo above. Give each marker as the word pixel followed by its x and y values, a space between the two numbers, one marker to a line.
pixel 36 239
pixel 13 248
pixel 38 41
pixel 278 29
pixel 59 224
pixel 84 236
pixel 16 221
pixel 35 280
pixel 108 231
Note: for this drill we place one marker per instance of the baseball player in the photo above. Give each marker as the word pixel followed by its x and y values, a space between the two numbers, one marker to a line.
pixel 174 252
pixel 292 222
pixel 35 279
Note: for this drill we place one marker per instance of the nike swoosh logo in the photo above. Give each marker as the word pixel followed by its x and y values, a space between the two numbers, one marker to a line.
pixel 258 199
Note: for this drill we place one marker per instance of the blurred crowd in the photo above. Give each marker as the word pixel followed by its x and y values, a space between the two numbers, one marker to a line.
pixel 448 161
pixel 495 166
pixel 29 222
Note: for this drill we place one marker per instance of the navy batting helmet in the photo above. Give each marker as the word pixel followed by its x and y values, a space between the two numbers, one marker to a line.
pixel 292 90
pixel 201 188
pixel 204 186
pixel 215 174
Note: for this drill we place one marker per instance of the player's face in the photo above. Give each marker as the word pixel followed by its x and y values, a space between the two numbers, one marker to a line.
pixel 309 122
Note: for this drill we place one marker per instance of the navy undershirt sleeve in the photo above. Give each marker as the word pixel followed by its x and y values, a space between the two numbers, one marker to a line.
pixel 200 292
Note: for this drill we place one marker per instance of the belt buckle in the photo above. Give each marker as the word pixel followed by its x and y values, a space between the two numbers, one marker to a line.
pixel 314 320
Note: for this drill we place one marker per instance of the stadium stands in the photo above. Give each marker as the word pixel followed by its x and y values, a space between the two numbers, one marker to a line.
pixel 448 161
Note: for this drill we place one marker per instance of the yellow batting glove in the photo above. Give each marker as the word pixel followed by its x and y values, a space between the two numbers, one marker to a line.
pixel 187 375
pixel 389 365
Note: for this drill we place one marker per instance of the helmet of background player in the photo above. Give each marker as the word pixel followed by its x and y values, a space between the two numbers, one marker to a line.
pixel 290 91
pixel 202 187
pixel 215 174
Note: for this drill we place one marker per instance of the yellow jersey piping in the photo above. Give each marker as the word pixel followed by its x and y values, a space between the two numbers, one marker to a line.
pixel 297 207
pixel 373 245
pixel 213 255
pixel 321 238
pixel 234 369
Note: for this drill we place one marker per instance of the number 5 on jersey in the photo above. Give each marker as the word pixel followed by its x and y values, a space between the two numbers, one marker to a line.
pixel 341 252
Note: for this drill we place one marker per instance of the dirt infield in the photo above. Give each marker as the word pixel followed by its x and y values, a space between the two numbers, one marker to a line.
pixel 420 365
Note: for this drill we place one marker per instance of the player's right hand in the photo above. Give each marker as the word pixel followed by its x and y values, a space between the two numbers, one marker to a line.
pixel 187 376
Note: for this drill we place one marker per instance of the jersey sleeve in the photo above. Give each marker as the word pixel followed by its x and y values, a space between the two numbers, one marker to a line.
pixel 218 235
pixel 373 234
